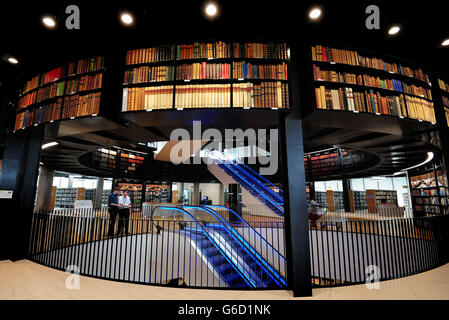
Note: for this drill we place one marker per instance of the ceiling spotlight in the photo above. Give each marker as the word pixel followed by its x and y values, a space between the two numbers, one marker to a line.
pixel 393 30
pixel 211 9
pixel 13 60
pixel 50 144
pixel 127 18
pixel 445 43
pixel 49 22
pixel 315 13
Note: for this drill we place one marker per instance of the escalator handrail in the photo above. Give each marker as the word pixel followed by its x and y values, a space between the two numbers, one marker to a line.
pixel 256 256
pixel 246 223
pixel 246 167
pixel 270 200
pixel 206 233
pixel 242 171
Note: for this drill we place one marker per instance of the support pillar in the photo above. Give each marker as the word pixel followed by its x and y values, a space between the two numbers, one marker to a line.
pixel 196 193
pixel 44 186
pixel 346 201
pixel 99 193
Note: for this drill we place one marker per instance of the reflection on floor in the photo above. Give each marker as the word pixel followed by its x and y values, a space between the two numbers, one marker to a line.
pixel 27 280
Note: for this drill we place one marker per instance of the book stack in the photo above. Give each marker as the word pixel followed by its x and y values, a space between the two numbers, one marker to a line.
pixel 203 96
pixel 390 84
pixel 147 98
pixel 86 65
pixel 417 73
pixel 54 90
pixel 244 70
pixel 339 99
pixel 203 70
pixel 334 76
pixel 417 91
pixel 149 74
pixel 327 54
pixel 376 63
pixel 84 83
pixel 271 95
pixel 260 50
pixel 197 50
pixel 78 106
pixel 155 54
pixel 420 109
pixel 31 84
pixel 53 75
pixel 388 105
pixel 243 95
pixel 443 85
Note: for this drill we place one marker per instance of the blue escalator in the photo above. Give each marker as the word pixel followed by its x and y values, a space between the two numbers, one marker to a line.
pixel 251 181
pixel 232 257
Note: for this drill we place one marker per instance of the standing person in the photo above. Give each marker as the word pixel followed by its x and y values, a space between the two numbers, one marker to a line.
pixel 125 204
pixel 113 207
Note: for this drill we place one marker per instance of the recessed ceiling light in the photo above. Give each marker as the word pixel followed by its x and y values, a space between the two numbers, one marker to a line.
pixel 49 22
pixel 315 13
pixel 127 18
pixel 211 9
pixel 394 30
pixel 445 43
pixel 13 60
pixel 50 144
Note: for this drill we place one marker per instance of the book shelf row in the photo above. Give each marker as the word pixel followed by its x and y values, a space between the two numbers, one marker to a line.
pixel 244 95
pixel 74 68
pixel 351 57
pixel 370 81
pixel 67 108
pixel 196 71
pixel 209 50
pixel 374 102
pixel 58 89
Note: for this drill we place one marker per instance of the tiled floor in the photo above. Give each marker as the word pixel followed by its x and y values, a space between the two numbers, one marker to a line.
pixel 27 280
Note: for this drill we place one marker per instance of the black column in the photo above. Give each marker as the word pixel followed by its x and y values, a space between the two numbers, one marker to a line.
pixel 295 196
pixel 346 188
pixel 19 174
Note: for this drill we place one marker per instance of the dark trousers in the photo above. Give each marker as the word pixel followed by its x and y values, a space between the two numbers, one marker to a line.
pixel 123 220
pixel 112 217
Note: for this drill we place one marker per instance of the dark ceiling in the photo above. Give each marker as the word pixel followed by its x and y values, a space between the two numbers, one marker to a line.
pixel 424 26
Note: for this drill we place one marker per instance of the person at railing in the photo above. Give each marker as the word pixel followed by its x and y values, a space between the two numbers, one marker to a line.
pixel 113 207
pixel 124 205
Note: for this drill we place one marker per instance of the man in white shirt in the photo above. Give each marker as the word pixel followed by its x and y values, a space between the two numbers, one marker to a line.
pixel 124 205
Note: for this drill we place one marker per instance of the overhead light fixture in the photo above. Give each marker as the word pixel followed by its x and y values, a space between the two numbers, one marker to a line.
pixel 50 144
pixel 394 30
pixel 49 22
pixel 127 18
pixel 315 13
pixel 445 43
pixel 13 60
pixel 211 9
pixel 430 156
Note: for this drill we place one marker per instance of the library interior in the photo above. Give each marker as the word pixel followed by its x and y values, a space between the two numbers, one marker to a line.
pixel 353 120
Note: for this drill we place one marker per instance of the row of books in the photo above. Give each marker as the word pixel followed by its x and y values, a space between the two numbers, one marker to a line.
pixel 445 101
pixel 74 68
pixel 84 83
pixel 203 96
pixel 263 95
pixel 148 74
pixel 443 85
pixel 420 109
pixel 203 71
pixel 351 57
pixel 388 105
pixel 245 70
pixel 339 99
pixel 203 50
pixel 57 89
pixel 211 50
pixel 334 76
pixel 44 93
pixel 79 106
pixel 46 113
pixel 70 107
pixel 147 98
